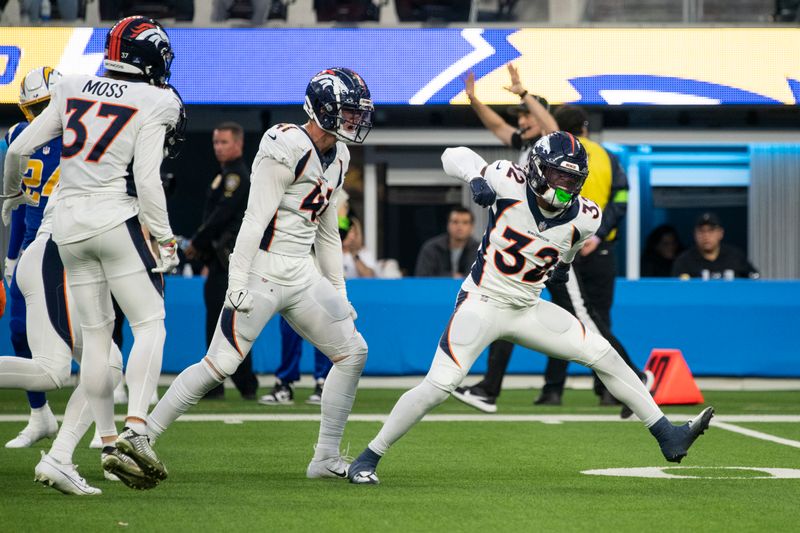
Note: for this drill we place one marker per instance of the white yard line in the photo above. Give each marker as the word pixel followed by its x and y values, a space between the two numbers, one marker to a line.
pixel 755 434
pixel 235 418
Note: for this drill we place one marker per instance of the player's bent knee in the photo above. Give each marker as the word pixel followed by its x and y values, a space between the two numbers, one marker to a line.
pixel 594 348
pixel 354 353
pixel 444 376
pixel 151 326
pixel 223 363
pixel 59 373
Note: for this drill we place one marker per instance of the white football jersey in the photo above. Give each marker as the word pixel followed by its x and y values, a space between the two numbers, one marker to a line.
pixel 293 229
pixel 520 244
pixel 102 121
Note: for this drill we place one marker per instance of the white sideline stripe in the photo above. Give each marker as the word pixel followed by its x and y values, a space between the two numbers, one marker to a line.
pixel 755 434
pixel 235 418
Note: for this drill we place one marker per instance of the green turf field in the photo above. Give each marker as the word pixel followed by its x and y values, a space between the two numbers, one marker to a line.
pixel 473 475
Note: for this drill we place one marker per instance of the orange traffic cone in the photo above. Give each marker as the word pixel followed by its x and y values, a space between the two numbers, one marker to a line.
pixel 673 383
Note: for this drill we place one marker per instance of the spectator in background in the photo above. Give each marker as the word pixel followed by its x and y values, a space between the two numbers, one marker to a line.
pixel 709 258
pixel 42 10
pixel 115 9
pixel 226 201
pixel 452 253
pixel 358 261
pixel 259 11
pixel 662 247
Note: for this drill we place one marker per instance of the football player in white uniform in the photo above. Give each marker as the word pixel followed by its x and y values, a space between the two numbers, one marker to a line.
pixel 296 176
pixel 108 122
pixel 537 223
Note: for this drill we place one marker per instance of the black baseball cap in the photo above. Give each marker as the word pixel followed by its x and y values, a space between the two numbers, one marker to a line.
pixel 708 219
pixel 515 110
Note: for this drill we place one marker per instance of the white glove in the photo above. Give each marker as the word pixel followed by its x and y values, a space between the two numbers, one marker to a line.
pixel 353 312
pixel 168 254
pixel 13 201
pixel 11 264
pixel 239 300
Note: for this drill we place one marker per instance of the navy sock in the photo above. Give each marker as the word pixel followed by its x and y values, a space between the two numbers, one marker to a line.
pixel 662 429
pixel 369 457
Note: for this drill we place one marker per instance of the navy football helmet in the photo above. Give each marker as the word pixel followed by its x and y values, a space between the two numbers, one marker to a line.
pixel 139 46
pixel 557 169
pixel 338 100
pixel 174 138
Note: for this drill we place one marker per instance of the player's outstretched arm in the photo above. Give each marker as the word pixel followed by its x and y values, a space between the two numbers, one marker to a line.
pixel 267 185
pixel 462 163
pixel 466 165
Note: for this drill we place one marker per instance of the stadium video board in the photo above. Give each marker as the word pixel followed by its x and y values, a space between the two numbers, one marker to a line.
pixel 600 66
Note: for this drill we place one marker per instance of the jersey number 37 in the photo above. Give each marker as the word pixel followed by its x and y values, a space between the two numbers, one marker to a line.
pixel 77 108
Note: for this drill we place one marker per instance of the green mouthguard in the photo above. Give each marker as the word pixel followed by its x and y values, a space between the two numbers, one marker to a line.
pixel 563 196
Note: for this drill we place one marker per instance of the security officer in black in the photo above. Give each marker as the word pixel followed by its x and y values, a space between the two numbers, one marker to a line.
pixel 212 244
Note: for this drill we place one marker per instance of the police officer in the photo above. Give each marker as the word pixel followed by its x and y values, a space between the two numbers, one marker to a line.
pixel 212 244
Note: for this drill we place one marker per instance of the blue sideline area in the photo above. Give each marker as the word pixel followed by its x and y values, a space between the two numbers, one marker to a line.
pixel 724 328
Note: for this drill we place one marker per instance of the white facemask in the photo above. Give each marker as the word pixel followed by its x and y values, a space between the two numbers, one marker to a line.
pixel 552 199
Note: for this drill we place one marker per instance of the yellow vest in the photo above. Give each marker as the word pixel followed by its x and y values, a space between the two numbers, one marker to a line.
pixel 597 187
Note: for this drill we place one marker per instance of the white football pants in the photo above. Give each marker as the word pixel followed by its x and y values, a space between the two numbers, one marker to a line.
pixel 120 261
pixel 50 317
pixel 318 313
pixel 544 327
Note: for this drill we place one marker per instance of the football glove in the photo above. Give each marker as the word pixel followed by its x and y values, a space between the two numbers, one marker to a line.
pixel 8 274
pixel 13 201
pixel 239 300
pixel 482 192
pixel 559 274
pixel 168 254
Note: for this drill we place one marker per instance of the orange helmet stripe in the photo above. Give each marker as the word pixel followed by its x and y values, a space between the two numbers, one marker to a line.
pixel 115 39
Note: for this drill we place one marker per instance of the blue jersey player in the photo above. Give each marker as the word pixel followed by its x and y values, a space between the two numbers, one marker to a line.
pixel 40 179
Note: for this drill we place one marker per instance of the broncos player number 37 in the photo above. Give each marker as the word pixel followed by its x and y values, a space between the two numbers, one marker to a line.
pixel 109 123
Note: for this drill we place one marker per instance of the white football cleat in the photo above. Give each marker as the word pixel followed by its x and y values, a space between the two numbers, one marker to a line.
pixel 42 425
pixel 63 478
pixel 333 467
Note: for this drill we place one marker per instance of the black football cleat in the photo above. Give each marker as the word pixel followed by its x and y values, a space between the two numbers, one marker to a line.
pixel 676 445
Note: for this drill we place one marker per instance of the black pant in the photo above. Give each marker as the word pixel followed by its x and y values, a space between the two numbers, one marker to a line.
pixel 214 296
pixel 595 274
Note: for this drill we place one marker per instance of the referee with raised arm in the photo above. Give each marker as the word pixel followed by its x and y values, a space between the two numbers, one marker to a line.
pixel 589 293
